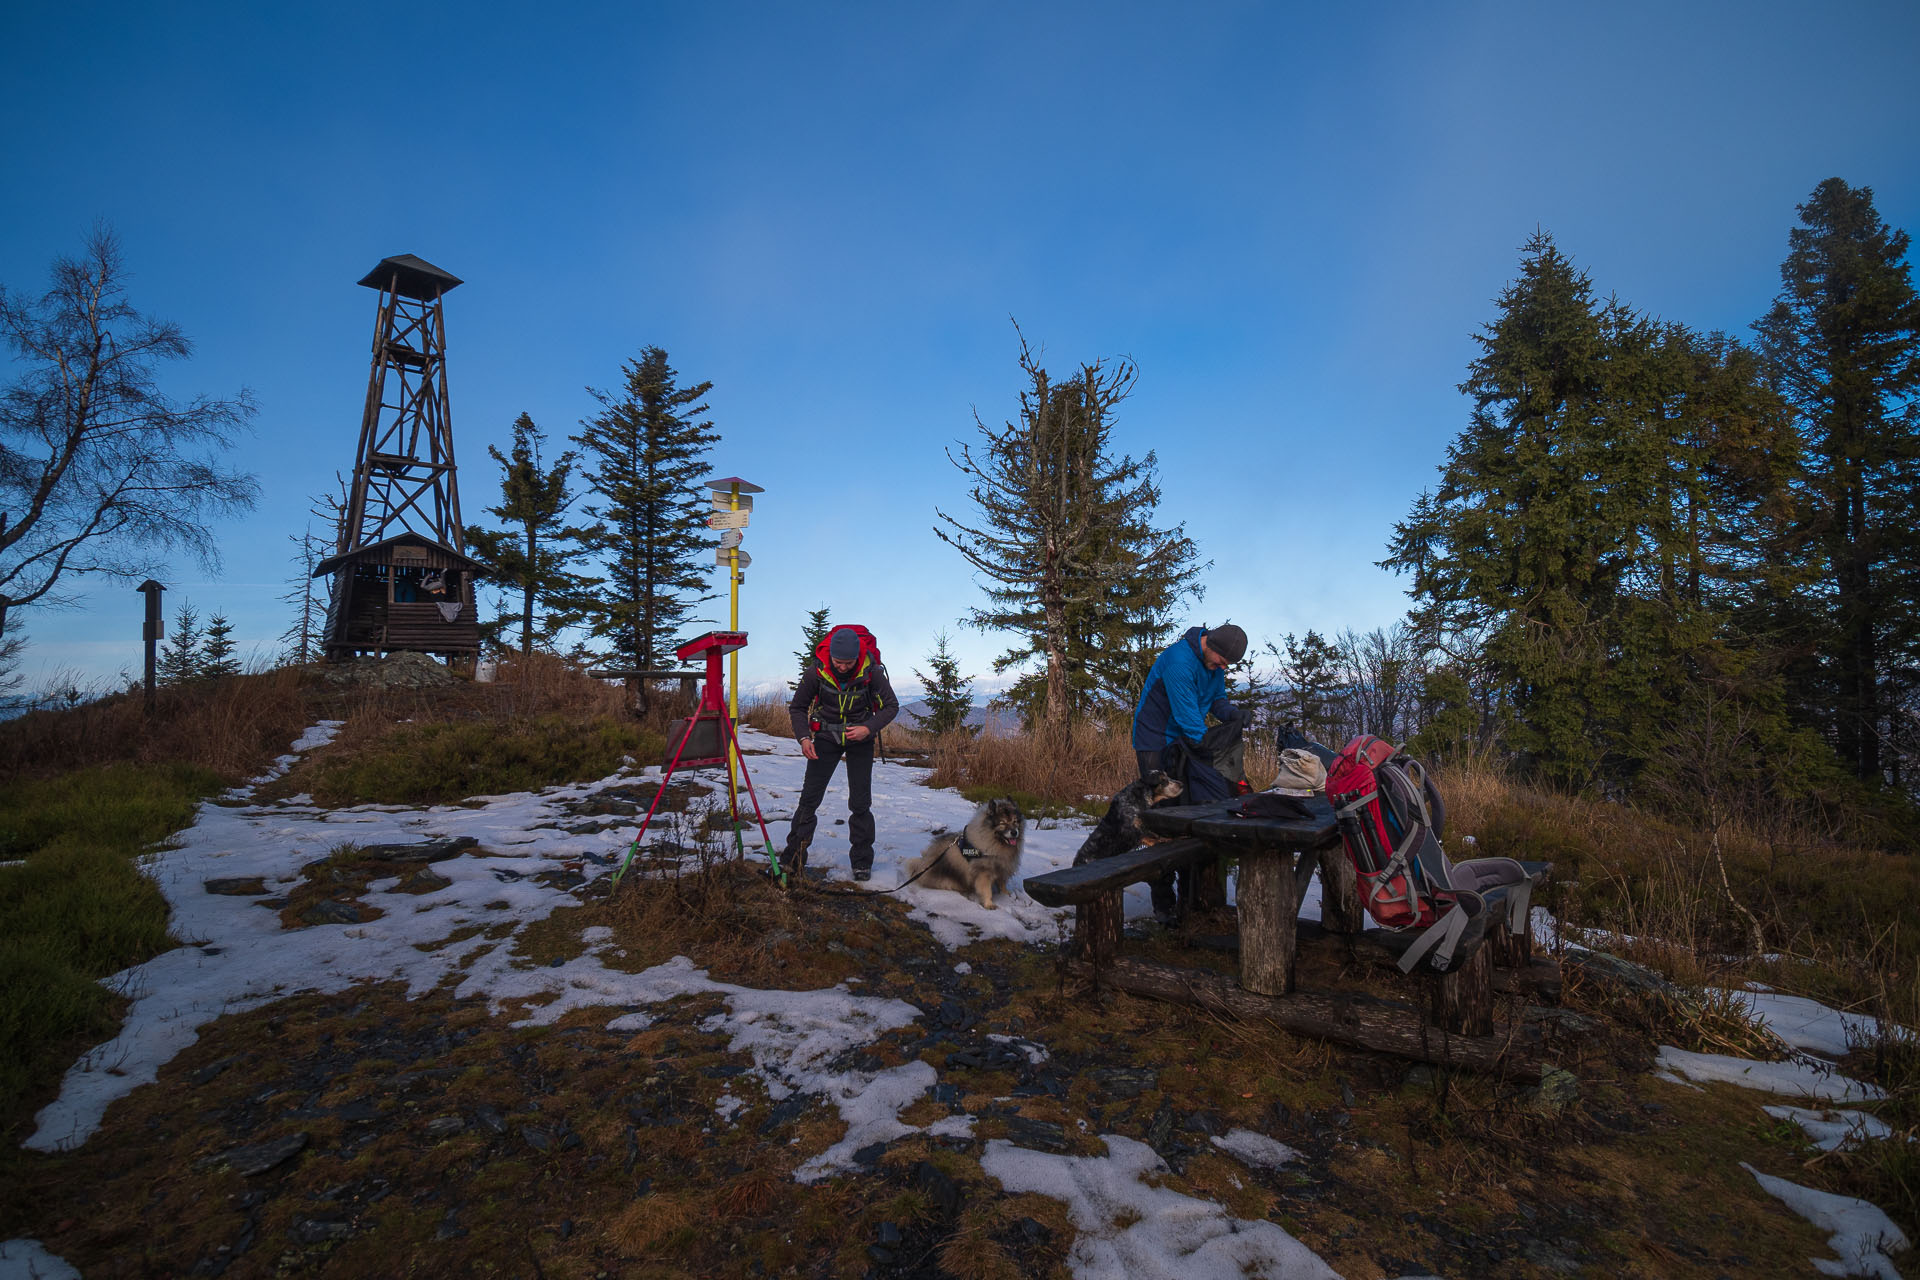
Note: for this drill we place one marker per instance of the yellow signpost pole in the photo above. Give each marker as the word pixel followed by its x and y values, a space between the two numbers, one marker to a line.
pixel 733 659
pixel 732 509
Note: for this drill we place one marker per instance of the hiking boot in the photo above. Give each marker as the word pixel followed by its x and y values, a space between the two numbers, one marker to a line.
pixel 794 861
pixel 862 867
pixel 862 874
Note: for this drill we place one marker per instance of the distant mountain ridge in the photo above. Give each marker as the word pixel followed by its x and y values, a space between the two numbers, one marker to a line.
pixel 914 714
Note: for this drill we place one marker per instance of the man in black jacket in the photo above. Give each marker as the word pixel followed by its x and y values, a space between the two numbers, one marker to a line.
pixel 838 710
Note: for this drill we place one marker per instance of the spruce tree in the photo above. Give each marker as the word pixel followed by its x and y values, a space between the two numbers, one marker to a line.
pixel 1842 345
pixel 949 694
pixel 1065 540
pixel 529 557
pixel 810 637
pixel 180 653
pixel 646 459
pixel 216 650
pixel 1616 498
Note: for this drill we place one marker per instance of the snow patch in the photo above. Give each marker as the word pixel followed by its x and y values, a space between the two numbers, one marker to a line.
pixel 1128 1227
pixel 29 1260
pixel 1802 1079
pixel 1834 1130
pixel 1862 1235
pixel 1808 1024
pixel 1256 1150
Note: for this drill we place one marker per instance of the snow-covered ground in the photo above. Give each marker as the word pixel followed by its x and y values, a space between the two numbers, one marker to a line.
pixel 240 958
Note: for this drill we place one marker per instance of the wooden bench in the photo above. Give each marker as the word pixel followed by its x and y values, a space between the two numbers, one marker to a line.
pixel 1095 890
pixel 1277 859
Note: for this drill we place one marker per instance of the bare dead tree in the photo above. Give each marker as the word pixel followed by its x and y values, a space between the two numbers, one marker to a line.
pixel 100 471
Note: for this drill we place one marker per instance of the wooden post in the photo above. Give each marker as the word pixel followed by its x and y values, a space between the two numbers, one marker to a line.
pixel 1339 891
pixel 1098 925
pixel 1463 998
pixel 152 629
pixel 1510 950
pixel 1268 910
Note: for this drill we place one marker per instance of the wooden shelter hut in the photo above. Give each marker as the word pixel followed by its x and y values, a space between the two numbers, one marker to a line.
pixel 402 579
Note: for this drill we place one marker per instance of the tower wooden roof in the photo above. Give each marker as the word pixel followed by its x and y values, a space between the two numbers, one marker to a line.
pixel 411 277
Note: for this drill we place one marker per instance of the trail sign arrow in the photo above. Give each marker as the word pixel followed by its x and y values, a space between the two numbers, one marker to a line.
pixel 725 555
pixel 720 502
pixel 731 538
pixel 728 520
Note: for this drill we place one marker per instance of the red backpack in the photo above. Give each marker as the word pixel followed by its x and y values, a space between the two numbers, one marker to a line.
pixel 1391 820
pixel 869 648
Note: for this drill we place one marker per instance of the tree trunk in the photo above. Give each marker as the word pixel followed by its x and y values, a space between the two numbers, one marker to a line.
pixel 526 602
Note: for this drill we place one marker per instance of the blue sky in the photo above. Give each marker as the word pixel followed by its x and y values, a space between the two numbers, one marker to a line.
pixel 1293 218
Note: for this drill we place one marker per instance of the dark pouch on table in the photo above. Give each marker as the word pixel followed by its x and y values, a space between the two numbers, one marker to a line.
pixel 1263 804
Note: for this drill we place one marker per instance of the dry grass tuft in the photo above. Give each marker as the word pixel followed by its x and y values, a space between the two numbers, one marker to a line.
pixel 725 912
pixel 768 714
pixel 654 1221
pixel 1072 768
pixel 232 726
pixel 542 684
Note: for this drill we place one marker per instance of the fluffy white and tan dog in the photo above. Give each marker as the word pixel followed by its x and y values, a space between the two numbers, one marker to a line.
pixel 978 859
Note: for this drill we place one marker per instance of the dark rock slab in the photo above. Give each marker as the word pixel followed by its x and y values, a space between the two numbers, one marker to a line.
pixel 426 851
pixel 319 1230
pixel 445 1126
pixel 212 1070
pixel 786 1111
pixel 329 911
pixel 988 1057
pixel 489 1119
pixel 1124 1082
pixel 257 1158
pixel 1043 1135
pixel 869 1155
pixel 425 880
pixel 237 886
pixel 942 1191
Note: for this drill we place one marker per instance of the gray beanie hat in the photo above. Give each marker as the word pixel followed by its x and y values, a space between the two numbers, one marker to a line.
pixel 845 645
pixel 1229 641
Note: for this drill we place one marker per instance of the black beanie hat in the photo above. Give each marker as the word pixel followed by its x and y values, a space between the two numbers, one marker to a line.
pixel 845 645
pixel 1229 641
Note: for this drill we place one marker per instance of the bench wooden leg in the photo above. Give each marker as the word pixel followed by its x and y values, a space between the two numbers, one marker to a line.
pixel 1339 891
pixel 1510 950
pixel 1097 926
pixel 1463 999
pixel 1268 910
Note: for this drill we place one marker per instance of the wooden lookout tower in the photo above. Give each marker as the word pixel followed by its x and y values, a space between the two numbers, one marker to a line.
pixel 401 575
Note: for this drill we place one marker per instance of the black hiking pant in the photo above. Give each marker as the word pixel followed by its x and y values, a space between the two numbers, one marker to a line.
pixel 859 758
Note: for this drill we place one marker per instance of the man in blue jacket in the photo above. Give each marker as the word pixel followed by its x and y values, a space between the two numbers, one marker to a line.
pixel 1187 683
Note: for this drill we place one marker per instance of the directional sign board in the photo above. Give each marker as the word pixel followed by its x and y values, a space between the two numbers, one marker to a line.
pixel 723 555
pixel 721 502
pixel 731 538
pixel 728 520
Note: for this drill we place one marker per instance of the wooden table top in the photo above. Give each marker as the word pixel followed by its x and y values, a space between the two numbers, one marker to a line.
pixel 1222 821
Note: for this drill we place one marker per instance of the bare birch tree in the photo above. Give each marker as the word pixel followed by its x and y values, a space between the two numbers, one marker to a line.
pixel 100 471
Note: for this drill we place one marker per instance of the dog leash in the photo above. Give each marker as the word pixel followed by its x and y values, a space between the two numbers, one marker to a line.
pixel 967 851
pixel 837 892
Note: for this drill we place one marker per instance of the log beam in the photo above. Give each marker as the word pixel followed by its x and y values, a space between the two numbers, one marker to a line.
pixel 1362 1022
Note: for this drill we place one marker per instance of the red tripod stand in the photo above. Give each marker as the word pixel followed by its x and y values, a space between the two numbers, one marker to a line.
pixel 707 735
